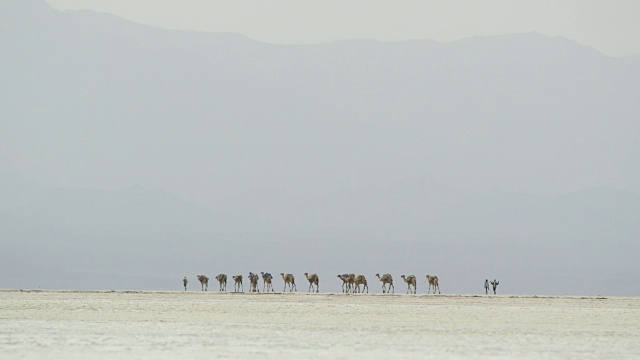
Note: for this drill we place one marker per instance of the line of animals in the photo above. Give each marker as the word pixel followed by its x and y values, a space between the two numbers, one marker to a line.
pixel 350 283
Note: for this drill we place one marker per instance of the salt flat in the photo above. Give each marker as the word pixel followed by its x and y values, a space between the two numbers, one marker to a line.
pixel 75 324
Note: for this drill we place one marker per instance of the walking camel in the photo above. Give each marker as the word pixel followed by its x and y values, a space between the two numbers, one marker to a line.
pixel 253 282
pixel 204 281
pixel 352 282
pixel 433 281
pixel 266 278
pixel 222 279
pixel 313 280
pixel 495 285
pixel 289 280
pixel 345 282
pixel 361 280
pixel 238 284
pixel 386 279
pixel 410 280
pixel 184 282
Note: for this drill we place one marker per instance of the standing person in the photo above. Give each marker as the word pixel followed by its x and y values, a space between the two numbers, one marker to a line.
pixel 486 286
pixel 495 285
pixel 185 282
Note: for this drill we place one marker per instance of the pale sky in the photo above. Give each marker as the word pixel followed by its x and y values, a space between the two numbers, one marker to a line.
pixel 612 27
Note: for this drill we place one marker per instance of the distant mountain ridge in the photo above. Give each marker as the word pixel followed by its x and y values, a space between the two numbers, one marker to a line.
pixel 415 155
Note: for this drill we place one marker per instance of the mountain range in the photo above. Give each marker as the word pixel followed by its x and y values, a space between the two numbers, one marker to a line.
pixel 130 155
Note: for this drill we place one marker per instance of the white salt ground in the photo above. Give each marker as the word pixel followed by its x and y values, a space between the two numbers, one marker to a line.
pixel 169 325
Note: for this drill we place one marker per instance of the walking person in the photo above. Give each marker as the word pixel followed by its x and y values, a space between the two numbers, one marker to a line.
pixel 486 286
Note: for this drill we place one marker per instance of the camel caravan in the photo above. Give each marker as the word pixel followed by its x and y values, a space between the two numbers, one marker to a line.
pixel 351 283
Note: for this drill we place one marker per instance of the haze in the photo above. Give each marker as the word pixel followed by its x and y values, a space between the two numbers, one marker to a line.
pixel 132 156
pixel 612 27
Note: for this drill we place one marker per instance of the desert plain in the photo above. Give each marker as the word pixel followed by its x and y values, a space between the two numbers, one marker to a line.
pixel 167 325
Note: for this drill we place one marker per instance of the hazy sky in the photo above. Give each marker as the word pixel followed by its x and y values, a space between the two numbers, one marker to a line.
pixel 613 26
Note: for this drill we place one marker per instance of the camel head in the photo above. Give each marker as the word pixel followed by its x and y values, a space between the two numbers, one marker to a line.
pixel 402 276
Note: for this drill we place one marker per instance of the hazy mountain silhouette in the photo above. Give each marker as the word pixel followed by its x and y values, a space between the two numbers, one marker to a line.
pixel 499 155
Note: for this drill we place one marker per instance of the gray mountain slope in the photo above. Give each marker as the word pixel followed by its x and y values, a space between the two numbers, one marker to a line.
pixel 415 155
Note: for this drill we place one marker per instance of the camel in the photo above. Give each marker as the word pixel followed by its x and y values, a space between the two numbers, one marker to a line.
pixel 290 280
pixel 204 281
pixel 486 286
pixel 253 282
pixel 352 282
pixel 185 281
pixel 222 279
pixel 410 280
pixel 238 284
pixel 495 285
pixel 266 278
pixel 361 280
pixel 345 282
pixel 313 279
pixel 349 280
pixel 386 279
pixel 433 281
